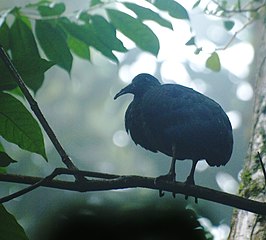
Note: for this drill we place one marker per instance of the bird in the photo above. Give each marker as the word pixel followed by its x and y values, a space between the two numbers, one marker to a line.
pixel 177 121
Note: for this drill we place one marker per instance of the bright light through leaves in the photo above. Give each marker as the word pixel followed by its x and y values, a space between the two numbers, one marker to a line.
pixel 120 138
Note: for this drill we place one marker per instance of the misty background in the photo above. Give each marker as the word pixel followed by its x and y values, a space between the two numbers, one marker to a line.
pixel 90 124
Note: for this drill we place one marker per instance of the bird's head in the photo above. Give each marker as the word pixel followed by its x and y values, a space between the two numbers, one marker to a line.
pixel 139 85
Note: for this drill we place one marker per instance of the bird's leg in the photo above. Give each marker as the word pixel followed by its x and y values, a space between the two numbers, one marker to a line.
pixel 171 172
pixel 170 176
pixel 190 179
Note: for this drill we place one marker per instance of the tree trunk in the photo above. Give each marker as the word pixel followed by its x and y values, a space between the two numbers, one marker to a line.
pixel 246 225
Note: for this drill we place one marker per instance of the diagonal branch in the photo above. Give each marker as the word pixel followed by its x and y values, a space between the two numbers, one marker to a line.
pixel 262 166
pixel 35 108
pixel 235 35
pixel 31 187
pixel 104 182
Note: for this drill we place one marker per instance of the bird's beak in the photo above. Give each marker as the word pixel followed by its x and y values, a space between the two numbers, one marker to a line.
pixel 125 90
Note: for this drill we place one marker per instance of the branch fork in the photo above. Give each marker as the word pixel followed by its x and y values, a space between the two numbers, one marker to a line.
pixel 97 181
pixel 94 181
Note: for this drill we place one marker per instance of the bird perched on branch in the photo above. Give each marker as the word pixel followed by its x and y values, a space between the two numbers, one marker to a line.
pixel 177 121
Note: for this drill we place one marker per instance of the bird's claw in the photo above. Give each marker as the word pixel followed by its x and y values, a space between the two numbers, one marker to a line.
pixel 161 193
pixel 196 199
pixel 167 177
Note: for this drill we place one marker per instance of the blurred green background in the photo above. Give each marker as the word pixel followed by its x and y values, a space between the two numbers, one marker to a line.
pixel 90 124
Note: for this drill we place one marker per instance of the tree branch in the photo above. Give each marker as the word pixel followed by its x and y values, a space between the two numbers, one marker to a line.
pixel 239 10
pixel 262 166
pixel 235 35
pixel 104 182
pixel 35 108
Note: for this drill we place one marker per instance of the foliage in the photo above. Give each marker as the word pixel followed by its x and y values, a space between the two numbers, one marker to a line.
pixel 161 223
pixel 9 228
pixel 41 35
pixel 17 125
pixel 213 62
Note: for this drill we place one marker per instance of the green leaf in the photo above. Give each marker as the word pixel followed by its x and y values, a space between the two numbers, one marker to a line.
pixel 228 25
pixel 147 14
pixel 39 3
pixel 213 62
pixel 18 126
pixel 78 47
pixel 174 9
pixel 134 29
pixel 106 33
pixel 7 82
pixel 191 41
pixel 86 34
pixel 196 4
pixel 10 228
pixel 22 41
pixel 198 50
pixel 25 54
pixel 54 44
pixel 52 10
pixel 85 17
pixel 32 71
pixel 5 160
pixel 16 92
pixel 4 36
pixel 1 147
pixel 95 2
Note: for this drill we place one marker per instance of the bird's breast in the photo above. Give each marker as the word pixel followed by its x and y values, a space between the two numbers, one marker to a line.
pixel 174 115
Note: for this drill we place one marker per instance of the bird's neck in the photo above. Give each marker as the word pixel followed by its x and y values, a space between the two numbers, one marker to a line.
pixel 141 92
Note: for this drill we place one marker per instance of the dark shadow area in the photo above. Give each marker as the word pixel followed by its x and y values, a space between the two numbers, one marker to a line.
pixel 103 223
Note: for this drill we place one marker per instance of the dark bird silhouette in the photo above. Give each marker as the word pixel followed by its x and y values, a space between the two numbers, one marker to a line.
pixel 177 121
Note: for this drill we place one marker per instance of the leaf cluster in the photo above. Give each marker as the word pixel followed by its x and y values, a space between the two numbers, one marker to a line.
pixel 41 35
pixel 227 11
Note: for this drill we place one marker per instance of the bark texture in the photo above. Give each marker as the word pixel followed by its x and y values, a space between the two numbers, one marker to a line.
pixel 246 225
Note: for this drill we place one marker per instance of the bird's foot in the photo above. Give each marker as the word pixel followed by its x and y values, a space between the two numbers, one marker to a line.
pixel 190 181
pixel 169 178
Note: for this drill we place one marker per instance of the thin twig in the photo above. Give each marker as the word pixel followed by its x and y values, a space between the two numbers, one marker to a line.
pixel 56 172
pixel 30 188
pixel 239 10
pixel 262 166
pixel 235 35
pixel 114 182
pixel 35 108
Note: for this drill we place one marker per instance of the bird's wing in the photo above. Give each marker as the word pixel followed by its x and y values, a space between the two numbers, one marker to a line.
pixel 136 126
pixel 182 116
